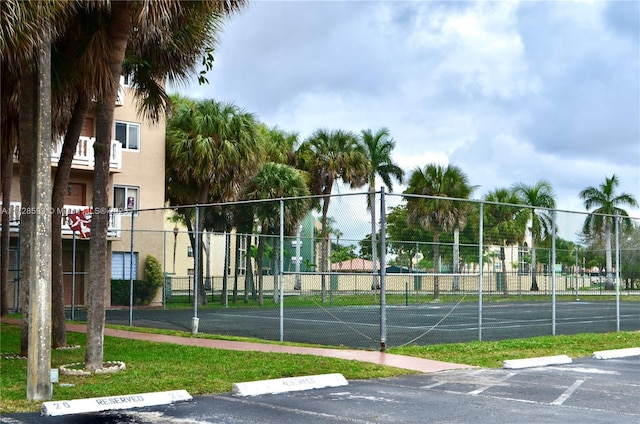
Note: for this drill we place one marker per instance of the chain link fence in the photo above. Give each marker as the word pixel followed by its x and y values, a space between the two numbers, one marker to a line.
pixel 422 274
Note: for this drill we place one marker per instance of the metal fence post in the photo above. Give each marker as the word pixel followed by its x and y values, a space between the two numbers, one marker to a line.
pixel 383 273
pixel 131 276
pixel 481 266
pixel 196 271
pixel 281 276
pixel 553 272
pixel 617 218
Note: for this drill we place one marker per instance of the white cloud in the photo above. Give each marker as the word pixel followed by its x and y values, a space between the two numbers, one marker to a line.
pixel 509 91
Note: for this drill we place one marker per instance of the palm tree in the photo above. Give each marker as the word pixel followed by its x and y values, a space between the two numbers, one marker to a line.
pixel 212 150
pixel 379 147
pixel 606 205
pixel 276 181
pixel 539 197
pixel 440 211
pixel 120 23
pixel 24 28
pixel 503 223
pixel 330 156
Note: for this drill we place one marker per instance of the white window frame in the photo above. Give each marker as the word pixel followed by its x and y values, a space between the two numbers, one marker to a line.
pixel 127 142
pixel 127 189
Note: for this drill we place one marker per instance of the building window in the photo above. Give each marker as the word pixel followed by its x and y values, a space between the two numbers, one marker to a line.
pixel 125 198
pixel 121 265
pixel 128 134
pixel 127 80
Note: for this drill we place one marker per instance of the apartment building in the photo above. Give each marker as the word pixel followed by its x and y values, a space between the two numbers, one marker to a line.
pixel 136 167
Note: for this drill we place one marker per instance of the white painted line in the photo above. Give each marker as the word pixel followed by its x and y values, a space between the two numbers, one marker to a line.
pixel 568 393
pixel 482 389
pixel 536 362
pixel 83 406
pixel 618 353
pixel 281 385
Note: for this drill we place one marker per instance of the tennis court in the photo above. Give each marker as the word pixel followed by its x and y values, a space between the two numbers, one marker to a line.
pixel 422 324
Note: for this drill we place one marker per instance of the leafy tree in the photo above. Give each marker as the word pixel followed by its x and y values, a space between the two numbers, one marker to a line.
pixel 539 197
pixel 432 204
pixel 330 156
pixel 405 240
pixel 630 257
pixel 605 205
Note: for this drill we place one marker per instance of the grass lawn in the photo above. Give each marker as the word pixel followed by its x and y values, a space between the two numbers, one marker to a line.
pixel 161 366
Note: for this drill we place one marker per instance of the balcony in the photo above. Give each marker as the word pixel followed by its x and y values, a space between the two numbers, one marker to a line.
pixel 113 228
pixel 84 156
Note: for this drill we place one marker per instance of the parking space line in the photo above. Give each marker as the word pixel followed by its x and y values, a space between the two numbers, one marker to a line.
pixel 568 393
pixel 482 389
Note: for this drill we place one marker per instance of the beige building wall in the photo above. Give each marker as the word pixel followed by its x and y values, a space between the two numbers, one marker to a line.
pixel 142 174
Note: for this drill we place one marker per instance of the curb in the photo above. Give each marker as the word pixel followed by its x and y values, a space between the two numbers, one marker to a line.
pixel 618 353
pixel 514 364
pixel 282 385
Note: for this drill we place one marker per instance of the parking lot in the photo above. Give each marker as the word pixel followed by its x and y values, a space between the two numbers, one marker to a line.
pixel 585 391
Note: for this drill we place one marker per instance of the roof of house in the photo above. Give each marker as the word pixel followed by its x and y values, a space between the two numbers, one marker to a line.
pixel 352 265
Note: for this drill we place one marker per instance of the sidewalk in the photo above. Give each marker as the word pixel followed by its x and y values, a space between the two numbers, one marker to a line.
pixel 388 359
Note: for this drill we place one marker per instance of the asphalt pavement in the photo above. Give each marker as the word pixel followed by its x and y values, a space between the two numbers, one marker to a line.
pixel 587 391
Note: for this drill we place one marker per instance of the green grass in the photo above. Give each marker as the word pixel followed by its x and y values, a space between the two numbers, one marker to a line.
pixel 492 354
pixel 163 366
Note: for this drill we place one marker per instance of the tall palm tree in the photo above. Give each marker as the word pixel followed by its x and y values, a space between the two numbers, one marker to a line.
pixel 276 181
pixel 120 23
pixel 503 223
pixel 212 150
pixel 379 147
pixel 330 156
pixel 440 211
pixel 606 205
pixel 24 28
pixel 539 198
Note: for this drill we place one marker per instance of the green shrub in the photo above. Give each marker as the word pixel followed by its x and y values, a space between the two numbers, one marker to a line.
pixel 153 274
pixel 143 290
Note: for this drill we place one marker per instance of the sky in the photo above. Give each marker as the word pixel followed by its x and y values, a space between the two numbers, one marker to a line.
pixel 509 91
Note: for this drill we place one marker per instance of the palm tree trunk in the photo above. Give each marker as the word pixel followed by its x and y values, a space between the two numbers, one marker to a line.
pixel 324 248
pixel 9 140
pixel 5 260
pixel 534 266
pixel 505 286
pixel 608 259
pixel 224 298
pixel 259 258
pixel 248 276
pixel 236 267
pixel 374 249
pixel 26 131
pixel 60 184
pixel 456 258
pixel 118 34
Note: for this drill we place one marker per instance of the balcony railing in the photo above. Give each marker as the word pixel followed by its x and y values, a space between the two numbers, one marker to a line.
pixel 84 153
pixel 15 211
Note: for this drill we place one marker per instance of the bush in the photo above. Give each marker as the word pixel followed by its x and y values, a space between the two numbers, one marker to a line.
pixel 153 274
pixel 143 290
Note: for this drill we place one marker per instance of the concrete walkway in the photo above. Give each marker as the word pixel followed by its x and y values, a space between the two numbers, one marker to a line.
pixel 388 359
